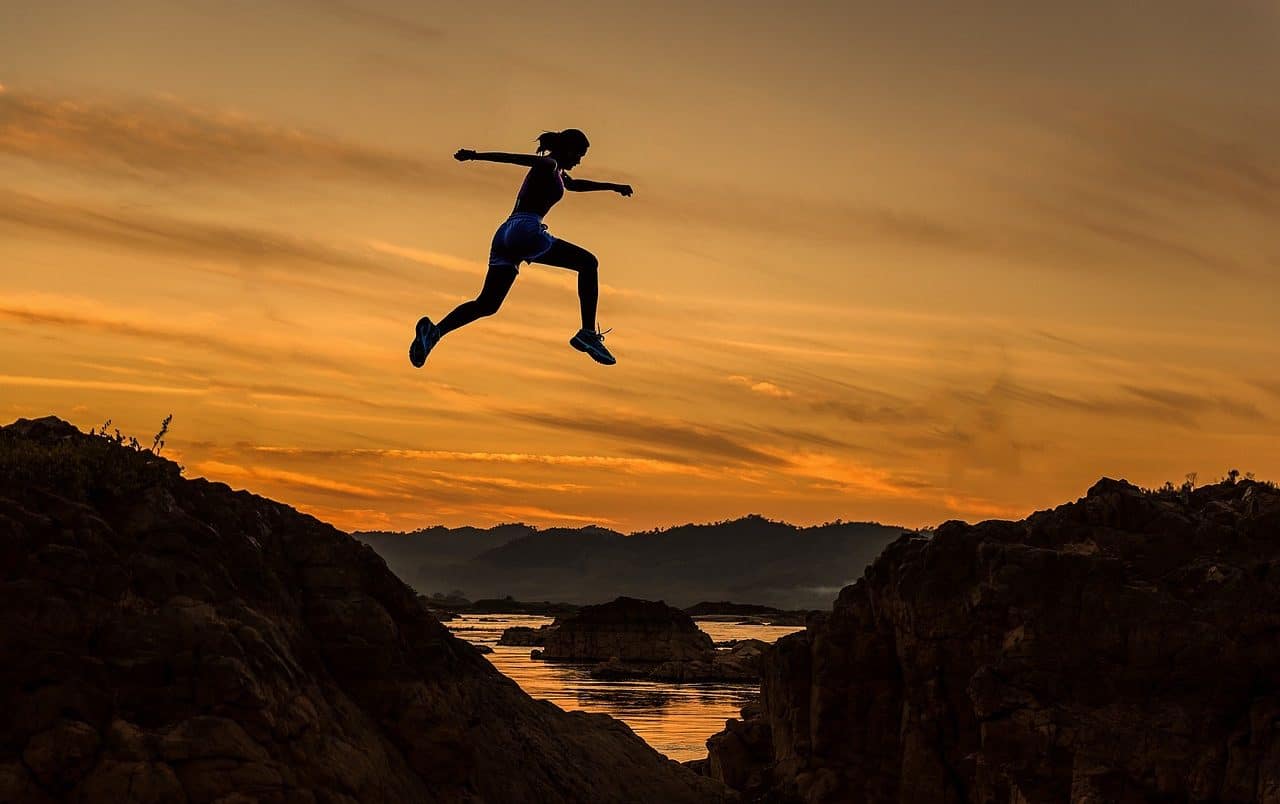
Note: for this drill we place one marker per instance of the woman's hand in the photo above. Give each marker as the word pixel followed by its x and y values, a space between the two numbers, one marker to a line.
pixel 624 189
pixel 464 155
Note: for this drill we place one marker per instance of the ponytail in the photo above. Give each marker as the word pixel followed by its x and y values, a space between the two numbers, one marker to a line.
pixel 557 142
pixel 548 141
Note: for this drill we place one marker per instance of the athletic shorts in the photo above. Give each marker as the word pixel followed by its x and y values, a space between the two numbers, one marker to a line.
pixel 521 238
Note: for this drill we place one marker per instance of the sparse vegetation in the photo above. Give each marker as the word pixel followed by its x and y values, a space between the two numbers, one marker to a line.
pixel 110 464
pixel 158 444
pixel 1232 477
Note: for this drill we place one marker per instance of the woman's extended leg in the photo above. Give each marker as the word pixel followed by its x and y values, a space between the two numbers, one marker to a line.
pixel 564 254
pixel 496 285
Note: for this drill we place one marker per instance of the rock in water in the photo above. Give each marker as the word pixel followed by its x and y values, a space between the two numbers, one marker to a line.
pixel 629 630
pixel 525 637
pixel 165 640
pixel 1121 648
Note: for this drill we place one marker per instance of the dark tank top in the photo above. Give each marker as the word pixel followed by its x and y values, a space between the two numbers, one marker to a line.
pixel 541 189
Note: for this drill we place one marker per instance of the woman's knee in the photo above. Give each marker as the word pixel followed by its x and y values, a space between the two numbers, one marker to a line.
pixel 487 305
pixel 589 262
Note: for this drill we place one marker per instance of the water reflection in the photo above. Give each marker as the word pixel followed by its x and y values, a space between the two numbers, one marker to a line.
pixel 634 701
pixel 676 719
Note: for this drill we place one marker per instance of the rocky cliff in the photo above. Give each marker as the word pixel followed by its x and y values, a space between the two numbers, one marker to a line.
pixel 1121 648
pixel 172 640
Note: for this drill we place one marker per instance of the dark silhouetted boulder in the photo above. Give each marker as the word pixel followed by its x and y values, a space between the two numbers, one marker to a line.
pixel 1121 648
pixel 629 630
pixel 525 637
pixel 171 640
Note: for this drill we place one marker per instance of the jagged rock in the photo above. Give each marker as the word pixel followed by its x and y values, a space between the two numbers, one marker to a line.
pixel 742 660
pixel 742 663
pixel 59 757
pixel 718 607
pixel 740 755
pixel 1121 648
pixel 523 636
pixel 643 639
pixel 171 640
pixel 629 630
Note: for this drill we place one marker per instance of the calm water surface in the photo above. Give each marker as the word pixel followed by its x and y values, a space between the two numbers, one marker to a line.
pixel 676 719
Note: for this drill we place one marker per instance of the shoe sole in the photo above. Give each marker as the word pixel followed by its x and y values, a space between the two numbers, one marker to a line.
pixel 418 352
pixel 582 346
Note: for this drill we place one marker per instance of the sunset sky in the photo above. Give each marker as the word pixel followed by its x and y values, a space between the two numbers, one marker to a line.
pixel 907 261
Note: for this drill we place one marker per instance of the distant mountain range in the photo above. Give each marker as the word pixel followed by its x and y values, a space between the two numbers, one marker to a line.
pixel 752 560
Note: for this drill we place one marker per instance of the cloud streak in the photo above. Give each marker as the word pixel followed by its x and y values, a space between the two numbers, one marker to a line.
pixel 362 14
pixel 148 137
pixel 148 232
pixel 612 463
pixel 698 442
pixel 189 340
pixel 763 387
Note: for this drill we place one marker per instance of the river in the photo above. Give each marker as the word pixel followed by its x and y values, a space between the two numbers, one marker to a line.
pixel 676 719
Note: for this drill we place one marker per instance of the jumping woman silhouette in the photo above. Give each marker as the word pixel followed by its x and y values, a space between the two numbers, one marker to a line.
pixel 523 237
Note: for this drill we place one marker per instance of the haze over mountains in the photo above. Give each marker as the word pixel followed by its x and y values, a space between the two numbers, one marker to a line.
pixel 750 560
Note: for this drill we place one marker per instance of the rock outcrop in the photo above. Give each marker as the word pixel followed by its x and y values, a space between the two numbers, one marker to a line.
pixel 522 636
pixel 1122 648
pixel 642 639
pixel 741 663
pixel 171 640
pixel 629 630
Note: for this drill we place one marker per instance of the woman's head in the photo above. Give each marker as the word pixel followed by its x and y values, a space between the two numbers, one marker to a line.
pixel 566 147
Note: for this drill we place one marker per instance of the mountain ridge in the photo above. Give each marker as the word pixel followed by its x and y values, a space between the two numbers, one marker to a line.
pixel 750 558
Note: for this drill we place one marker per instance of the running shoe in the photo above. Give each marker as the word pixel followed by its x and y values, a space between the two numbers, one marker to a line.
pixel 593 344
pixel 428 334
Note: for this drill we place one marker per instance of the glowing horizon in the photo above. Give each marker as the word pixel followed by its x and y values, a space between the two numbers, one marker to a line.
pixel 894 264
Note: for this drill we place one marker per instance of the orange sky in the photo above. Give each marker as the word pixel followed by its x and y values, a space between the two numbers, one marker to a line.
pixel 903 264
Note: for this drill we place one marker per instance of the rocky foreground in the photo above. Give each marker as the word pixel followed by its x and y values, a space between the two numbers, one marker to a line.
pixel 171 640
pixel 1121 648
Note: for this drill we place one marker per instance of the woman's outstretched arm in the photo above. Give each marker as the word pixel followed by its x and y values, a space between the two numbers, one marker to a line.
pixel 587 186
pixel 528 160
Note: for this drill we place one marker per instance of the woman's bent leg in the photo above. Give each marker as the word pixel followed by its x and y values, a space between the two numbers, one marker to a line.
pixel 564 254
pixel 496 285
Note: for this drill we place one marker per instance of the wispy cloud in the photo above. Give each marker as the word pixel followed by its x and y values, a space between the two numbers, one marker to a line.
pixel 561 280
pixel 800 435
pixel 75 383
pixel 243 247
pixel 1270 386
pixel 384 22
pixel 610 462
pixel 814 220
pixel 1123 193
pixel 852 476
pixel 764 387
pixel 1206 156
pixel 1131 188
pixel 1189 402
pixel 521 513
pixel 162 136
pixel 64 312
pixel 873 412
pixel 972 506
pixel 686 438
pixel 227 472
